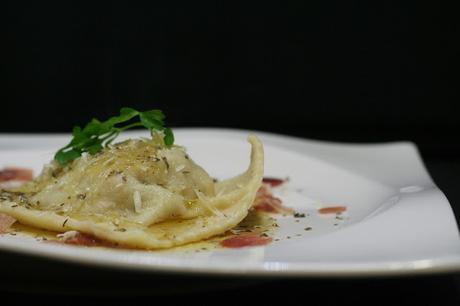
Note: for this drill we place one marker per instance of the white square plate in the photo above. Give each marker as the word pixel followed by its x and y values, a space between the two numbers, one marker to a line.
pixel 397 222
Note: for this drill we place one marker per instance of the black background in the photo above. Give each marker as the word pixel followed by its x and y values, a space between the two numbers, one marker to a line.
pixel 349 71
pixel 346 71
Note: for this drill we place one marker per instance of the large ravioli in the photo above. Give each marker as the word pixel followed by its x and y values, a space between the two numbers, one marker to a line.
pixel 136 193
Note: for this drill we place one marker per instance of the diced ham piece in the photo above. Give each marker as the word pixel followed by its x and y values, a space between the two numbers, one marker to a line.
pixel 83 239
pixel 245 240
pixel 273 181
pixel 266 202
pixel 332 210
pixel 15 174
pixel 5 223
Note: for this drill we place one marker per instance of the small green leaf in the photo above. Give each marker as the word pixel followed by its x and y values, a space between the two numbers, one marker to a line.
pixel 152 120
pixel 128 112
pixel 94 127
pixel 155 114
pixel 150 124
pixel 63 157
pixel 76 130
pixel 94 148
pixel 169 137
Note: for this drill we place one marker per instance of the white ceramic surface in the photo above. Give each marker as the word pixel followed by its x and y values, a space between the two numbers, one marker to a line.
pixel 398 221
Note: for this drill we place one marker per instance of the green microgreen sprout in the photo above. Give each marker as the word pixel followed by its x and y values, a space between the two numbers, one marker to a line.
pixel 98 134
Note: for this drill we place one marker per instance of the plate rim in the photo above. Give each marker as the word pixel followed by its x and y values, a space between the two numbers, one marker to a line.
pixel 292 270
pixel 311 269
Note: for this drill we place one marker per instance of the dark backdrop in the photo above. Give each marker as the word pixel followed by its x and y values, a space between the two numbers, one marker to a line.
pixel 350 71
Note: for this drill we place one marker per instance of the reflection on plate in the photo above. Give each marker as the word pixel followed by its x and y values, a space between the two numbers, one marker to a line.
pixel 397 221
